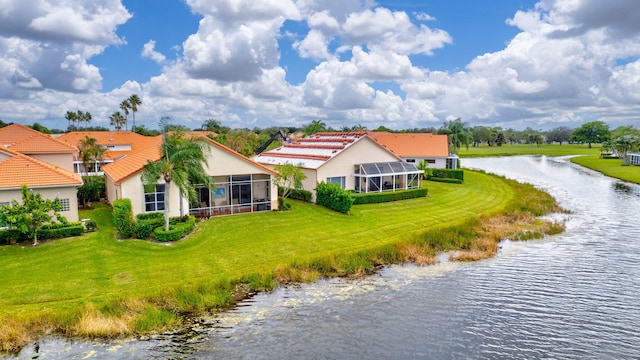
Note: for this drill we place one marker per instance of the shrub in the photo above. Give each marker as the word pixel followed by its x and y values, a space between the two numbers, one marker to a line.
pixel 334 197
pixel 446 174
pixel 91 226
pixel 297 194
pixel 123 218
pixel 151 215
pixel 60 230
pixel 9 234
pixel 177 230
pixel 381 197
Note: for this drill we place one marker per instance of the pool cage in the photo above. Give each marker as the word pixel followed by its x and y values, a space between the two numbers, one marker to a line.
pixel 386 176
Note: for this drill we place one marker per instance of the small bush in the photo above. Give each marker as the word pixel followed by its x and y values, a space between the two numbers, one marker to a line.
pixel 176 231
pixel 9 234
pixel 59 230
pixel 382 197
pixel 123 218
pixel 151 215
pixel 91 226
pixel 334 197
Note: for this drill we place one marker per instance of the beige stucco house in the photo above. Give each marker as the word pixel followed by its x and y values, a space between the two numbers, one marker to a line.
pixel 354 160
pixel 241 185
pixel 43 164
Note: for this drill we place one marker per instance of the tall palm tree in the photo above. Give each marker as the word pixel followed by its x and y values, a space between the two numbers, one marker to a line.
pixel 71 117
pixel 117 120
pixel 134 102
pixel 125 106
pixel 316 126
pixel 182 161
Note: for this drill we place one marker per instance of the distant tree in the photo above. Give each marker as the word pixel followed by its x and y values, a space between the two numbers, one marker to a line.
pixel 134 102
pixel 117 120
pixel 624 144
pixel 142 130
pixel 71 117
pixel 211 125
pixel 125 106
pixel 559 134
pixel 314 127
pixel 289 178
pixel 182 161
pixel 29 216
pixel 458 134
pixel 3 124
pixel 243 141
pixel 37 127
pixel 624 130
pixel 591 132
pixel 83 116
pixel 480 134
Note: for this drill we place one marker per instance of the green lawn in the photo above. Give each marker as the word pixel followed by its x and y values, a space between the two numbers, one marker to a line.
pixel 609 167
pixel 529 149
pixel 62 274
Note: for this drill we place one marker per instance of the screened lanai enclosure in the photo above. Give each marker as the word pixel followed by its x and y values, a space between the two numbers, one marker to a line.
pixel 233 194
pixel 386 176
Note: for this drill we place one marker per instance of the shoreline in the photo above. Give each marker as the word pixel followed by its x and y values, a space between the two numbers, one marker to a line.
pixel 476 238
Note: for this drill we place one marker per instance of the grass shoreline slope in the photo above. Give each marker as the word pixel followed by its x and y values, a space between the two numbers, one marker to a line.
pixel 97 286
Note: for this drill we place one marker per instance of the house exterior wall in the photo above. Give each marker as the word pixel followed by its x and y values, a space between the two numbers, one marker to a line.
pixel 363 151
pixel 66 192
pixel 64 161
pixel 440 163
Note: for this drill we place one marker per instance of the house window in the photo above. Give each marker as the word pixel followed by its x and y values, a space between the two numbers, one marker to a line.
pixel 411 160
pixel 430 161
pixel 340 180
pixel 65 205
pixel 154 197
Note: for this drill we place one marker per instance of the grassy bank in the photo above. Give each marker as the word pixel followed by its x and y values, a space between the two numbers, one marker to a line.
pixel 98 286
pixel 609 167
pixel 529 149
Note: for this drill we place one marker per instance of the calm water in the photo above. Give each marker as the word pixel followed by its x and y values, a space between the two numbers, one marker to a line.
pixel 571 296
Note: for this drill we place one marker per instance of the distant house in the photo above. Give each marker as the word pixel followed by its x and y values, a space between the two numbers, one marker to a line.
pixel 50 181
pixel 241 185
pixel 37 145
pixel 634 158
pixel 117 143
pixel 354 160
pixel 431 149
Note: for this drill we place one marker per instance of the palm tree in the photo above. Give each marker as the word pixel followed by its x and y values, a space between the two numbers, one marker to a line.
pixel 117 120
pixel 71 117
pixel 134 102
pixel 316 126
pixel 458 134
pixel 125 106
pixel 182 161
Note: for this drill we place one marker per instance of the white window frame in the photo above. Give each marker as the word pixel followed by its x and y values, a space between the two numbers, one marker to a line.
pixel 66 205
pixel 158 205
pixel 340 180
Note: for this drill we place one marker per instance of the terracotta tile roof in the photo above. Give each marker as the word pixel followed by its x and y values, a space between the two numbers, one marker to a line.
pixel 21 169
pixel 119 139
pixel 414 144
pixel 132 164
pixel 28 141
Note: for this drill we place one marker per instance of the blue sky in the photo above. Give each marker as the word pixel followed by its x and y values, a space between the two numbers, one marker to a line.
pixel 402 64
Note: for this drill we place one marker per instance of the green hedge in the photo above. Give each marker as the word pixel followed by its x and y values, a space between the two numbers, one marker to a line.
pixel 151 215
pixel 123 218
pixel 446 180
pixel 382 197
pixel 334 197
pixel 300 194
pixel 176 230
pixel 57 231
pixel 446 174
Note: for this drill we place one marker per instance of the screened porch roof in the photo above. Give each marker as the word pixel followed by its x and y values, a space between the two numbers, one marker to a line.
pixel 387 168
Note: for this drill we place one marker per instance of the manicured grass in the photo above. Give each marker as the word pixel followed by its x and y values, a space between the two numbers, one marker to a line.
pixel 97 285
pixel 610 167
pixel 529 149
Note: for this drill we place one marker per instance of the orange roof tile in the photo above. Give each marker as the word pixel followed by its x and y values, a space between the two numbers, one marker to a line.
pixel 107 138
pixel 21 169
pixel 28 141
pixel 133 163
pixel 413 144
